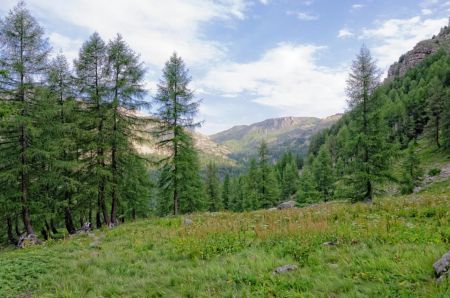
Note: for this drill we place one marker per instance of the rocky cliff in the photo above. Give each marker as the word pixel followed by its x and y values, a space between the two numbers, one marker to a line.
pixel 422 50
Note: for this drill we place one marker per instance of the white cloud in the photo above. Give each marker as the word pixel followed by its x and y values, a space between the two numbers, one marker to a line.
pixel 394 37
pixel 153 28
pixel 426 11
pixel 264 2
pixel 68 46
pixel 357 6
pixel 285 77
pixel 344 33
pixel 303 16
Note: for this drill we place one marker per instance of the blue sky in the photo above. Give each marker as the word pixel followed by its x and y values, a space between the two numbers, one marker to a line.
pixel 250 59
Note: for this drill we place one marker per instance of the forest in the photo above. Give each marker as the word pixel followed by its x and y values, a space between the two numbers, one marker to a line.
pixel 69 132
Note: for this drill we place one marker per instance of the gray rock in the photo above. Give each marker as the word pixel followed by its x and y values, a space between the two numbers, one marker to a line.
pixel 442 266
pixel 187 222
pixel 272 209
pixel 28 240
pixel 286 205
pixel 285 268
pixel 329 243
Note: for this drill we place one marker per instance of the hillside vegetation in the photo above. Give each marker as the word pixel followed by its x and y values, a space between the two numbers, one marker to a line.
pixel 384 249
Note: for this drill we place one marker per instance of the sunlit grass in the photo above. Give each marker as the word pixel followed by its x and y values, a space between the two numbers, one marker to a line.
pixel 385 249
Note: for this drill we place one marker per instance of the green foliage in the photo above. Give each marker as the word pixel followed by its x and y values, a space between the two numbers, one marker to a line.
pixel 213 188
pixel 434 172
pixel 323 173
pixel 307 189
pixel 412 171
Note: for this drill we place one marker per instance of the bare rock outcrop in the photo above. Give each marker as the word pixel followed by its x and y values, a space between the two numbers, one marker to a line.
pixel 419 53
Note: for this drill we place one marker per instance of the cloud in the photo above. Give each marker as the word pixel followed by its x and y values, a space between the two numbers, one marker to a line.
pixel 153 28
pixel 264 2
pixel 357 6
pixel 344 33
pixel 303 16
pixel 394 37
pixel 286 77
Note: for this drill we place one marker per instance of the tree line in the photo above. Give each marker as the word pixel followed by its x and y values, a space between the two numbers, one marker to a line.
pixel 68 134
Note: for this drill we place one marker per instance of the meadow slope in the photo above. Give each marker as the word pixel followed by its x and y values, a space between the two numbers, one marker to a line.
pixel 384 249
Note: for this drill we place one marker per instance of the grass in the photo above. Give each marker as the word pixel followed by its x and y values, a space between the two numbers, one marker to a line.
pixel 385 249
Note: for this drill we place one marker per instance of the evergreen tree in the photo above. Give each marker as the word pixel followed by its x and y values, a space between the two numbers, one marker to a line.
pixel 92 80
pixel 23 59
pixel 446 121
pixel 226 192
pixel 176 110
pixel 370 149
pixel 412 172
pixel 269 193
pixel 323 173
pixel 307 191
pixel 126 75
pixel 251 187
pixel 436 95
pixel 213 188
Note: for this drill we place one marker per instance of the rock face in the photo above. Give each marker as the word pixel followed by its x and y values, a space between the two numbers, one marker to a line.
pixel 286 205
pixel 421 51
pixel 442 266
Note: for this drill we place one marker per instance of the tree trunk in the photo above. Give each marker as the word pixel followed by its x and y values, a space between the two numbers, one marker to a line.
pixel 101 202
pixel 369 192
pixel 16 226
pixel 437 132
pixel 133 214
pixel 98 219
pixel 52 226
pixel 27 221
pixel 69 220
pixel 11 238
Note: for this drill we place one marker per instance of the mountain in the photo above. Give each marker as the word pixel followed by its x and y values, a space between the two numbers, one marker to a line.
pixel 421 51
pixel 281 134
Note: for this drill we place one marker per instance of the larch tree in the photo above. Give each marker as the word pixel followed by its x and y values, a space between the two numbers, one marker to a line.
pixel 92 80
pixel 370 146
pixel 213 188
pixel 177 108
pixel 125 74
pixel 23 58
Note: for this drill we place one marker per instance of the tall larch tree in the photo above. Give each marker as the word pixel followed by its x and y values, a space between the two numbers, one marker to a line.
pixel 23 58
pixel 213 188
pixel 370 146
pixel 126 89
pixel 92 80
pixel 177 108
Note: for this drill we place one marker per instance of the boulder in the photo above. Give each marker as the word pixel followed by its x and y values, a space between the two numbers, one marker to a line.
pixel 28 240
pixel 285 268
pixel 442 267
pixel 286 205
pixel 87 227
pixel 187 222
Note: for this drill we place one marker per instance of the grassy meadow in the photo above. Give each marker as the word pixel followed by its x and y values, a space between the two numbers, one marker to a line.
pixel 384 249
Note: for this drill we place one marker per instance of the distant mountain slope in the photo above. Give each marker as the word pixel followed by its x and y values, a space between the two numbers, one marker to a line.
pixel 281 134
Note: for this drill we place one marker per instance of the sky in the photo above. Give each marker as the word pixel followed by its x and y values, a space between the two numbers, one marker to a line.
pixel 249 59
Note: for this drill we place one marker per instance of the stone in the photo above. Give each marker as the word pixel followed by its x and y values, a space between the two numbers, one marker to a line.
pixel 272 209
pixel 87 227
pixel 329 243
pixel 187 222
pixel 285 268
pixel 28 240
pixel 442 267
pixel 286 205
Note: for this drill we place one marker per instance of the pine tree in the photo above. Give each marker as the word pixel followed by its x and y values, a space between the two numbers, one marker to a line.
pixel 371 149
pixel 323 173
pixel 126 75
pixel 436 95
pixel 23 58
pixel 226 192
pixel 213 188
pixel 412 171
pixel 446 121
pixel 251 187
pixel 176 111
pixel 269 192
pixel 307 191
pixel 289 183
pixel 92 80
